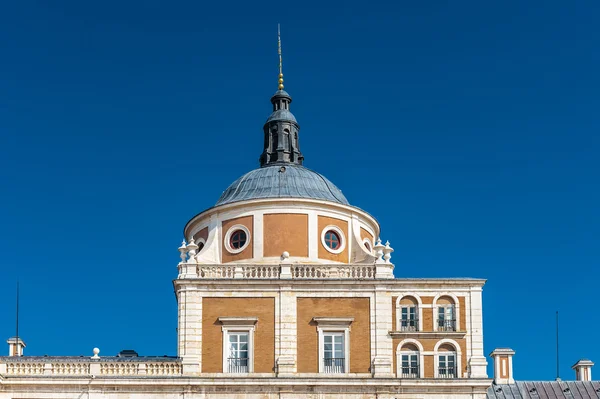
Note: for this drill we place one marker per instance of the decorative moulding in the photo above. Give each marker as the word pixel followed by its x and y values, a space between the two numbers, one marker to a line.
pixel 238 321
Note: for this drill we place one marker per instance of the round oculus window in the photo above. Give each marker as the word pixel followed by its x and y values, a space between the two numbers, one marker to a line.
pixel 332 240
pixel 238 239
pixel 367 245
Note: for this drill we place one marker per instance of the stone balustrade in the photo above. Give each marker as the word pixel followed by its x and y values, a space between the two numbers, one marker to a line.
pixel 78 366
pixel 283 271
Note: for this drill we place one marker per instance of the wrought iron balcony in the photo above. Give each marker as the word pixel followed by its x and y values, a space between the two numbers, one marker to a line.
pixel 409 325
pixel 447 372
pixel 446 325
pixel 334 365
pixel 238 364
pixel 410 372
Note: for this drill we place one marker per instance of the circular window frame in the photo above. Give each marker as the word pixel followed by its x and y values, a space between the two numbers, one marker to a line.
pixel 368 245
pixel 340 234
pixel 201 241
pixel 227 239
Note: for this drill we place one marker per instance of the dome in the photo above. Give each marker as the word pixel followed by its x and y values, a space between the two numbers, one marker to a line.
pixel 281 115
pixel 285 180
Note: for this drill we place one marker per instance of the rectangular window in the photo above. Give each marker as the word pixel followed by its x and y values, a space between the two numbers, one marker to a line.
pixel 447 366
pixel 410 365
pixel 408 318
pixel 238 352
pixel 333 352
pixel 446 319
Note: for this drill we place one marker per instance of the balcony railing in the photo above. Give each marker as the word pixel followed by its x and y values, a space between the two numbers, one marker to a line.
pixel 79 366
pixel 410 372
pixel 334 365
pixel 409 325
pixel 447 372
pixel 446 325
pixel 238 364
pixel 295 271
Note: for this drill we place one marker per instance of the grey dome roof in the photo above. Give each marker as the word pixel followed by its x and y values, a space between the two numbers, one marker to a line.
pixel 281 115
pixel 283 180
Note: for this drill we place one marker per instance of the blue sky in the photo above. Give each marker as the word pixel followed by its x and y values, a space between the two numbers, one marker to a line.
pixel 468 129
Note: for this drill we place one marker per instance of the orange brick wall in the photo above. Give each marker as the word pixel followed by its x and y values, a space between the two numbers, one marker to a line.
pixel 247 253
pixel 360 336
pixel 264 335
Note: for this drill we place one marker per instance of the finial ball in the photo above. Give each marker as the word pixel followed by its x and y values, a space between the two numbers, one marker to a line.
pixel 96 351
pixel 280 75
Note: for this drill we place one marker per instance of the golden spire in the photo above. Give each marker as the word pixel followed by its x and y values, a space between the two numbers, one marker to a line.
pixel 280 61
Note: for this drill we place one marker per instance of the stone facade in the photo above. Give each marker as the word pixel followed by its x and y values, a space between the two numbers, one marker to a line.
pixel 284 290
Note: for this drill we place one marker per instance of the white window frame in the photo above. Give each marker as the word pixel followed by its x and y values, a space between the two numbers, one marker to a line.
pixel 238 324
pixel 419 306
pixel 417 319
pixel 340 233
pixel 334 325
pixel 446 307
pixel 399 356
pixel 457 357
pixel 410 353
pixel 227 239
pixel 436 306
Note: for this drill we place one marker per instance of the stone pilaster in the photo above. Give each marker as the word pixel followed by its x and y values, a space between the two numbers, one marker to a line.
pixel 477 362
pixel 382 362
pixel 288 333
pixel 190 330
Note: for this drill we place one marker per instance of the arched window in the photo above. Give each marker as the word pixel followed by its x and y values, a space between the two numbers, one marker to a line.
pixel 408 314
pixel 446 314
pixel 447 361
pixel 409 361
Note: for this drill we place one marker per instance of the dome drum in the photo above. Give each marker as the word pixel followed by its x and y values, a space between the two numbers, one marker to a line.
pixel 261 231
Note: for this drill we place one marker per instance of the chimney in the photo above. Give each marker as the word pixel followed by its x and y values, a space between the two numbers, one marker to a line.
pixel 15 346
pixel 503 367
pixel 583 370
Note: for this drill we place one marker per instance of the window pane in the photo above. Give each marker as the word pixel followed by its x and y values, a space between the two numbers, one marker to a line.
pixel 327 339
pixel 243 337
pixel 232 338
pixel 338 339
pixel 327 347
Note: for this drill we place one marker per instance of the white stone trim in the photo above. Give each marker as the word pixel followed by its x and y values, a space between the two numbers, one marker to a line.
pixel 258 230
pixel 457 355
pixel 238 324
pixel 334 324
pixel 274 204
pixel 399 356
pixel 340 233
pixel 232 230
pixel 313 234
